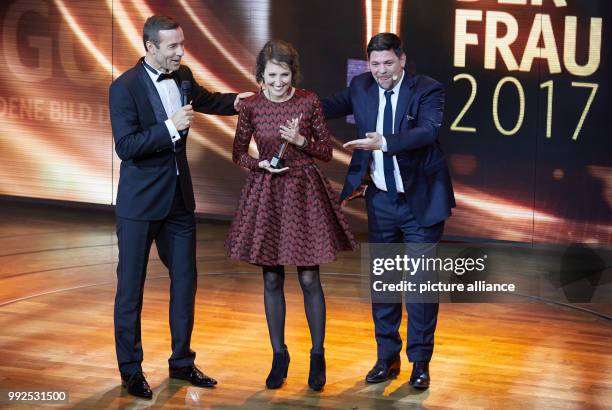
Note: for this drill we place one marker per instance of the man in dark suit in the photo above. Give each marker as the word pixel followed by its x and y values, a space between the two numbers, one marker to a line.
pixel 155 200
pixel 409 194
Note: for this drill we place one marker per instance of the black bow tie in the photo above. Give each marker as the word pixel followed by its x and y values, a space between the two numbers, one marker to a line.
pixel 167 76
pixel 162 76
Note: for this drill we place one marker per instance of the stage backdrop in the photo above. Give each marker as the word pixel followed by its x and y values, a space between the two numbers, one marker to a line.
pixel 525 130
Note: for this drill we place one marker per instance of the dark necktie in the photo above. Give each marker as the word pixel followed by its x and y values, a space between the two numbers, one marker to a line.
pixel 388 159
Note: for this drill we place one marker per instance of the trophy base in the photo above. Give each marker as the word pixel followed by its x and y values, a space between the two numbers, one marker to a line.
pixel 276 162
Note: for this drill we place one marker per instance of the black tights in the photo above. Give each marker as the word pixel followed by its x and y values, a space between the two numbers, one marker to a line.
pixel 314 304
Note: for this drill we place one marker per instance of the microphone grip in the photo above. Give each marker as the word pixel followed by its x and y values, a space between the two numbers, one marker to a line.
pixel 185 99
pixel 185 92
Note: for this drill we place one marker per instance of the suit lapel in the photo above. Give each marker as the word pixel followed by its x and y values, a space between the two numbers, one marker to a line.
pixel 371 108
pixel 152 94
pixel 403 100
pixel 364 157
pixel 360 159
pixel 180 77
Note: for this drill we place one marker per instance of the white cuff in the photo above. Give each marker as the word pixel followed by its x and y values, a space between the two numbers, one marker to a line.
pixel 384 144
pixel 174 134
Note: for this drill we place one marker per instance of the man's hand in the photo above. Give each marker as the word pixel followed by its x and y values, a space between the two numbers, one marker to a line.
pixel 183 117
pixel 372 142
pixel 266 165
pixel 240 97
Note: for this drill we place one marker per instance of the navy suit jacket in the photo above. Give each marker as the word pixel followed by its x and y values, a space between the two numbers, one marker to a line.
pixel 149 160
pixel 418 117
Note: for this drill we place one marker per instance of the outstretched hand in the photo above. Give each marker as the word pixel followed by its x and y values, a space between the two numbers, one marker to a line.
pixel 372 142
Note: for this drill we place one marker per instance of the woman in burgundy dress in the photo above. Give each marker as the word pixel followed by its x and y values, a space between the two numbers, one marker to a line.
pixel 287 216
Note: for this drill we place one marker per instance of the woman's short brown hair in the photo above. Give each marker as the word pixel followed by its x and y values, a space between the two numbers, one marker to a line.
pixel 282 53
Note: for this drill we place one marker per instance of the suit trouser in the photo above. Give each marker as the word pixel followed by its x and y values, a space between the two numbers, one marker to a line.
pixel 394 222
pixel 175 238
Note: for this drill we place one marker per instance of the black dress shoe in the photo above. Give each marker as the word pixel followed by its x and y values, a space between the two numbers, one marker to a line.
pixel 384 370
pixel 278 373
pixel 316 377
pixel 137 385
pixel 193 375
pixel 419 379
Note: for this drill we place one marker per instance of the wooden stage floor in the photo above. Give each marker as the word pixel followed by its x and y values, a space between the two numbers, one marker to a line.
pixel 57 284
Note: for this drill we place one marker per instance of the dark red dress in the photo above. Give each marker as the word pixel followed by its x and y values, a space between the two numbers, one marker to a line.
pixel 291 218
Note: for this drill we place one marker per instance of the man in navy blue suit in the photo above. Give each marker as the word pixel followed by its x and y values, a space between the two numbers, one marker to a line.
pixel 409 192
pixel 155 200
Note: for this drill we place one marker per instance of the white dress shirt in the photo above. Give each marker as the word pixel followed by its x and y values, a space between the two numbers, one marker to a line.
pixel 171 99
pixel 377 171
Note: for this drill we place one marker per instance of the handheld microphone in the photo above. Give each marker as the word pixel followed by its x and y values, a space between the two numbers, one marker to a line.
pixel 185 99
pixel 185 92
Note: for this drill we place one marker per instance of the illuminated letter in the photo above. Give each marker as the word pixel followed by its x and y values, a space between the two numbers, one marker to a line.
pixel 558 3
pixel 521 116
pixel 462 37
pixel 587 107
pixel 455 125
pixel 42 71
pixel 569 50
pixel 541 27
pixel 492 42
pixel 95 77
pixel 549 106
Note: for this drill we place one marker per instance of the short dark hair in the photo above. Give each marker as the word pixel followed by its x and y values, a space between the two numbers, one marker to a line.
pixel 150 31
pixel 280 52
pixel 385 41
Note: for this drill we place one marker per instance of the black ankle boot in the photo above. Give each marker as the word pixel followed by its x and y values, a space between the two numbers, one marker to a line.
pixel 278 373
pixel 316 377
